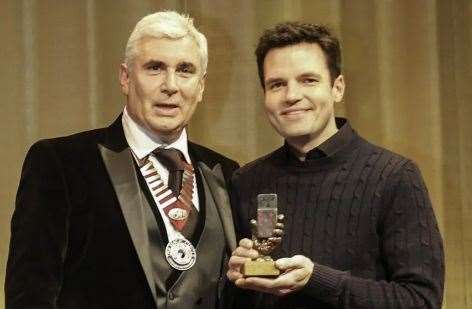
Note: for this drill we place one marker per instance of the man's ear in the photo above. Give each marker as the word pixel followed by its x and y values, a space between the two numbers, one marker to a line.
pixel 338 88
pixel 124 78
pixel 201 88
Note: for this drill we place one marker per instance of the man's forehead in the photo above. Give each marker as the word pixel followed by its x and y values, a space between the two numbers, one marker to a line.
pixel 307 48
pixel 292 56
pixel 185 47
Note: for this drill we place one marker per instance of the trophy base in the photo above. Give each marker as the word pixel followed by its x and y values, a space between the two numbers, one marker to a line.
pixel 260 269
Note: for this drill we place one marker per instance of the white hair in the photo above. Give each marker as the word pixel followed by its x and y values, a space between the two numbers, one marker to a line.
pixel 166 24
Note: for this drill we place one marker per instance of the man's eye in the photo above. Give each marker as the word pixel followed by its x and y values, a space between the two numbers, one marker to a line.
pixel 186 69
pixel 155 67
pixel 310 81
pixel 276 85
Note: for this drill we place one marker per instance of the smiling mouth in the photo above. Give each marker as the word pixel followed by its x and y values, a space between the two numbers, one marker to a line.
pixel 294 112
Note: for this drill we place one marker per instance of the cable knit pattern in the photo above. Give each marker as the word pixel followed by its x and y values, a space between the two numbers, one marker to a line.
pixel 362 215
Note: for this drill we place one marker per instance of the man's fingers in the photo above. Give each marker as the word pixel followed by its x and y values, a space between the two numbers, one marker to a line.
pixel 245 249
pixel 295 276
pixel 233 274
pixel 282 285
pixel 259 282
pixel 239 256
pixel 243 284
pixel 272 286
pixel 246 243
pixel 246 253
pixel 235 262
pixel 297 261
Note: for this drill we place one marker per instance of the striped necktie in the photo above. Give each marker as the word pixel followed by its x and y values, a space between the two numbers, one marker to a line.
pixel 177 207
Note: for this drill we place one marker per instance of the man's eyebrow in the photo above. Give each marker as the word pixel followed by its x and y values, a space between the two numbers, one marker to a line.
pixel 153 62
pixel 273 80
pixel 186 64
pixel 311 74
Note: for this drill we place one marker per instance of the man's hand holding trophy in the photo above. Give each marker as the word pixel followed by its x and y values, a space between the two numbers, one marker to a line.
pixel 251 266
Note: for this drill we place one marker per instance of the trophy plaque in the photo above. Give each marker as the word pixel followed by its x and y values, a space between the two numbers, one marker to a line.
pixel 266 236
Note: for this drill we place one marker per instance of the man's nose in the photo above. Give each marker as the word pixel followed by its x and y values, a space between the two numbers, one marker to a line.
pixel 293 93
pixel 169 85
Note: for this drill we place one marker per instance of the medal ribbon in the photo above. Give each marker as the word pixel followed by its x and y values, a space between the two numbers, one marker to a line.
pixel 177 209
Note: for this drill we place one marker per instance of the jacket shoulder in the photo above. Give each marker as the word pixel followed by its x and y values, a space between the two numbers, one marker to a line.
pixel 90 136
pixel 73 146
pixel 261 162
pixel 212 158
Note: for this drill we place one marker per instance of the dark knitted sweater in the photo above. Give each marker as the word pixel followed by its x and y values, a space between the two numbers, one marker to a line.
pixel 361 213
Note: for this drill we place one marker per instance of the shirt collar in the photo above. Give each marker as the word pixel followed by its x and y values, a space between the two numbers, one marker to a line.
pixel 337 141
pixel 331 145
pixel 142 141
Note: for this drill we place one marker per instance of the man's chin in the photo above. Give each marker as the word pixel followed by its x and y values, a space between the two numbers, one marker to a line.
pixel 294 133
pixel 166 133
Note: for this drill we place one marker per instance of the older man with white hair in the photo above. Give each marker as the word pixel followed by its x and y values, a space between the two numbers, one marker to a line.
pixel 132 215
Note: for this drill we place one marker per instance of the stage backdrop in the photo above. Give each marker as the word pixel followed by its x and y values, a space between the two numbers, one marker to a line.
pixel 407 65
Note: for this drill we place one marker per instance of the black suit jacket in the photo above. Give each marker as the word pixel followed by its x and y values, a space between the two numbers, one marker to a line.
pixel 76 239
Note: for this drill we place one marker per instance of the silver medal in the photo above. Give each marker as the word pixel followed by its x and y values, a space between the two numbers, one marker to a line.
pixel 181 254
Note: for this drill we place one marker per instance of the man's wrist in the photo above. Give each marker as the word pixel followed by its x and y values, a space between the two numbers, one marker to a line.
pixel 325 282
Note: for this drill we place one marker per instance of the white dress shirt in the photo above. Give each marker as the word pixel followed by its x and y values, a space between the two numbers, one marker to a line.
pixel 142 142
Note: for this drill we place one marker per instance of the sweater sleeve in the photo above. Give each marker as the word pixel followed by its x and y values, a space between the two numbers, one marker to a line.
pixel 412 254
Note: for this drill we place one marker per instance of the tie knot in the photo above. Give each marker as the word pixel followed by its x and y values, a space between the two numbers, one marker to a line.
pixel 171 158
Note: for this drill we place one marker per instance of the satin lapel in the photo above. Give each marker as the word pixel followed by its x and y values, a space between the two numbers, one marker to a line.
pixel 125 182
pixel 216 183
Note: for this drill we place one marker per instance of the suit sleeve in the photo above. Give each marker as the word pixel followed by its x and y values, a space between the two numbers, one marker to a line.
pixel 234 200
pixel 38 233
pixel 240 298
pixel 412 252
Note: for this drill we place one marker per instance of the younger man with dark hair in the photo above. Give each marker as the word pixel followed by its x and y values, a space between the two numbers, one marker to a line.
pixel 360 231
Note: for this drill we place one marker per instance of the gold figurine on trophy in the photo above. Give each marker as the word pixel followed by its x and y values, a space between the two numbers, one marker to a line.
pixel 267 233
